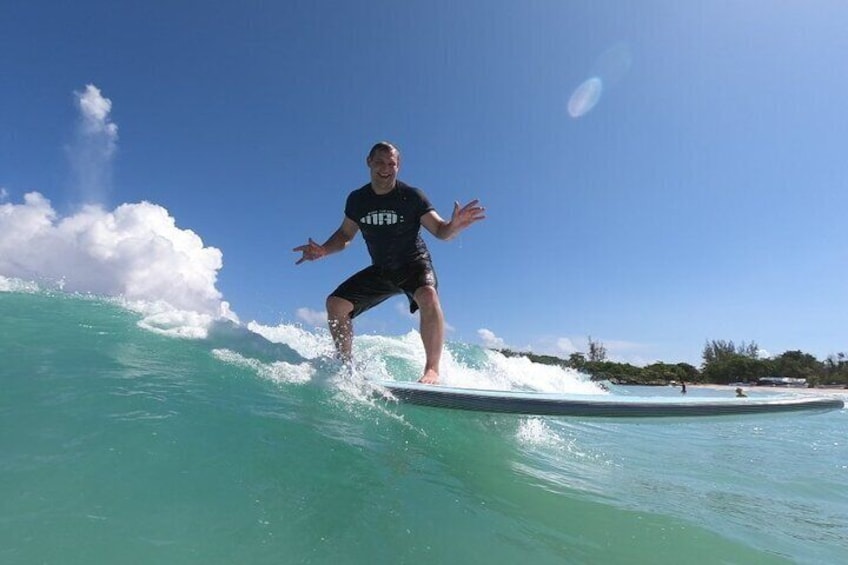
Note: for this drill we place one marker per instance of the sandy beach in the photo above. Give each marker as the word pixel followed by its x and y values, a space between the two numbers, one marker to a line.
pixel 838 391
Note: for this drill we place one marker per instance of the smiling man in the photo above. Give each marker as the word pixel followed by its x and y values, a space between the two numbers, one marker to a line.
pixel 390 213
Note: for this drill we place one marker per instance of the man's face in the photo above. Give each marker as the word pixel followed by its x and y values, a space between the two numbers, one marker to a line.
pixel 384 167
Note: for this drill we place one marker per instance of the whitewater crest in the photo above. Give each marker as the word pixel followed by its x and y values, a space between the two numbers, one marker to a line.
pixel 161 317
pixel 17 285
pixel 401 358
pixel 291 354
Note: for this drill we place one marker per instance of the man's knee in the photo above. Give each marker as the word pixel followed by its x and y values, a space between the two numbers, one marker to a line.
pixel 427 297
pixel 338 307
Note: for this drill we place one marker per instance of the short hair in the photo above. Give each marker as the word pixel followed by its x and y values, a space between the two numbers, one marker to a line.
pixel 383 146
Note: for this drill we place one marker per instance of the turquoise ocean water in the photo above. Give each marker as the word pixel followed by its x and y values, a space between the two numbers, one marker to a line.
pixel 130 436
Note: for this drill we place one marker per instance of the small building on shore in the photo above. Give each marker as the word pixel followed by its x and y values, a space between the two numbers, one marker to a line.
pixel 782 381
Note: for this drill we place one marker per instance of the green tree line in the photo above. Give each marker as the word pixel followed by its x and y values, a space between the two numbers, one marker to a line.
pixel 724 362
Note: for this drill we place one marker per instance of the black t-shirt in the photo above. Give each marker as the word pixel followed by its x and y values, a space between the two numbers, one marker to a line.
pixel 390 223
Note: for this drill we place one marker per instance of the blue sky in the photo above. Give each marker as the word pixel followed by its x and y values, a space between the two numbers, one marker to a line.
pixel 703 195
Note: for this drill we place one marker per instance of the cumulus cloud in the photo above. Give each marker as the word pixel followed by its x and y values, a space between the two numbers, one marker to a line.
pixel 94 145
pixel 135 251
pixel 490 340
pixel 4 194
pixel 311 317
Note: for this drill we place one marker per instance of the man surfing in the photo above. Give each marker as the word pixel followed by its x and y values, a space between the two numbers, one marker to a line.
pixel 390 213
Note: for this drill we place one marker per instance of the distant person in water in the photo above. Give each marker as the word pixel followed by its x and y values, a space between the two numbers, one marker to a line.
pixel 390 214
pixel 682 387
pixel 740 393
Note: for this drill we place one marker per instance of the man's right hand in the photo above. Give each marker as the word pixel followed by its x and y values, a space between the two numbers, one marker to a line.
pixel 311 251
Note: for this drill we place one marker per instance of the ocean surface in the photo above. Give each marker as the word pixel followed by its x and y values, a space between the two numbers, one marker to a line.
pixel 134 434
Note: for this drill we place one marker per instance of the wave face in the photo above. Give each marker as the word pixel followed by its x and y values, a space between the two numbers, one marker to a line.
pixel 134 433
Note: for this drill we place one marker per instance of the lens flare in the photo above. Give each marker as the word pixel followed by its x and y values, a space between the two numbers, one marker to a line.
pixel 585 97
pixel 613 64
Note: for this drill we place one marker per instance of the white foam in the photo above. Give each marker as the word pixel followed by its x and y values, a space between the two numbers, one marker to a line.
pixel 17 285
pixel 535 432
pixel 402 358
pixel 521 373
pixel 278 371
pixel 310 345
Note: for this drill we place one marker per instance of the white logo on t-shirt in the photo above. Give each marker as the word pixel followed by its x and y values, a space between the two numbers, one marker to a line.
pixel 381 218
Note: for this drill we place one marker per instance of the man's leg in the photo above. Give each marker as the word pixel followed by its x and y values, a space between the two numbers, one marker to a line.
pixel 432 331
pixel 341 326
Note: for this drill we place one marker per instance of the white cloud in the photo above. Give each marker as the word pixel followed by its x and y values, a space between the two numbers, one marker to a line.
pixel 402 308
pixel 95 109
pixel 312 317
pixel 617 350
pixel 565 345
pixel 135 251
pixel 620 345
pixel 620 351
pixel 4 194
pixel 490 340
pixel 94 145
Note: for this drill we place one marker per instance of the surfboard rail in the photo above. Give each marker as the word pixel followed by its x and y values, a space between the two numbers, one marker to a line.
pixel 552 404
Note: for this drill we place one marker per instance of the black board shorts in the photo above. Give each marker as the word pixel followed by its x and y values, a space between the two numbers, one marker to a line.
pixel 372 285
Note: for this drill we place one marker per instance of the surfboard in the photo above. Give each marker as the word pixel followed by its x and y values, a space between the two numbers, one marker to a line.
pixel 605 406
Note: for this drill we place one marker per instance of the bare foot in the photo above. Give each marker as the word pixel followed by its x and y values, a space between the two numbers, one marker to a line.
pixel 430 377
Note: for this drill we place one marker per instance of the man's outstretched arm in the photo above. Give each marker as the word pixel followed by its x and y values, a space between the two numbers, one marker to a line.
pixel 337 242
pixel 461 218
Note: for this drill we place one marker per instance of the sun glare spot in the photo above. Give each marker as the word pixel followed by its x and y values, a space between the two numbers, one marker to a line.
pixel 585 97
